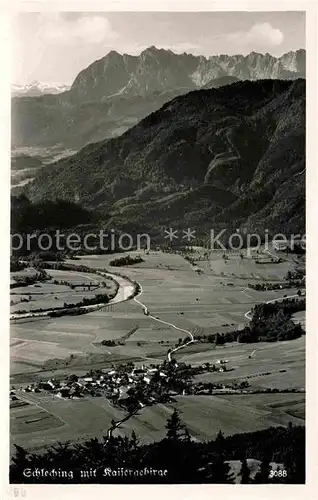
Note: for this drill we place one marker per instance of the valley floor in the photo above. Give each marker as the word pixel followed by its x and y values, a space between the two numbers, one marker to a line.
pixel 214 301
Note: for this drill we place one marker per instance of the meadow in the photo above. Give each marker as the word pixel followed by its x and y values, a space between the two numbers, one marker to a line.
pixel 203 415
pixel 171 290
pixel 55 292
pixel 174 292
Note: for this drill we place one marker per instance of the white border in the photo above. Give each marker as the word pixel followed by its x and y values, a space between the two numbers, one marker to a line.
pixel 186 492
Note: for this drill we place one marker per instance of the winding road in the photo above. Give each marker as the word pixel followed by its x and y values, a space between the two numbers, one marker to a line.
pixel 248 313
pixel 117 424
pixel 168 324
pixel 126 291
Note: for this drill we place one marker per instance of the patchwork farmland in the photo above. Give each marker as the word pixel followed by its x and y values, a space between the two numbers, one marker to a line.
pixel 214 300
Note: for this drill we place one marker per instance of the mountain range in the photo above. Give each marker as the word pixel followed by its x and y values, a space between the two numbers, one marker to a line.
pixel 37 88
pixel 117 91
pixel 227 157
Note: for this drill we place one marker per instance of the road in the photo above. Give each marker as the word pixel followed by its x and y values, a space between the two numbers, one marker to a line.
pixel 117 424
pixel 168 324
pixel 248 313
pixel 126 290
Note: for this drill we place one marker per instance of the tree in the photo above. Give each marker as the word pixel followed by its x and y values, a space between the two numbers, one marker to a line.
pixel 263 475
pixel 220 472
pixel 219 438
pixel 219 339
pixel 174 426
pixel 134 442
pixel 245 472
pixel 187 436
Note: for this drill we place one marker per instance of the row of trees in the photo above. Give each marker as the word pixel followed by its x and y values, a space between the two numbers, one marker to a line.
pixel 277 286
pixel 127 260
pixel 270 322
pixel 58 311
pixel 185 460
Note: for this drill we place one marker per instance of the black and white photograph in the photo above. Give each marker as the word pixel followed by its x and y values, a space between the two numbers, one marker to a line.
pixel 158 248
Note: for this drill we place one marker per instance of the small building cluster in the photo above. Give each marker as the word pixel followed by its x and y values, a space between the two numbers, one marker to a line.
pixel 138 385
pixel 129 386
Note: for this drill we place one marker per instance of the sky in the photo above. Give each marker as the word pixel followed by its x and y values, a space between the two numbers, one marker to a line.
pixel 53 47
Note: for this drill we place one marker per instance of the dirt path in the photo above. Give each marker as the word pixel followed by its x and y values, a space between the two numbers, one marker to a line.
pixel 145 309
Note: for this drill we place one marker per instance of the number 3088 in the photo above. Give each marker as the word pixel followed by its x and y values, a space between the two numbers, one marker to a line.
pixel 278 473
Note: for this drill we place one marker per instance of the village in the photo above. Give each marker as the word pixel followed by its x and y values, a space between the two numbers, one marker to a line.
pixel 132 387
pixel 129 386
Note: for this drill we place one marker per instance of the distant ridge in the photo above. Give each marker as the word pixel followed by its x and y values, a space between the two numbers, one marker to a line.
pixel 114 93
pixel 160 70
pixel 37 88
pixel 225 157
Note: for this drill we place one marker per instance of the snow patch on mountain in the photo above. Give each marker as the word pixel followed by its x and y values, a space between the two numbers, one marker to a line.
pixel 38 88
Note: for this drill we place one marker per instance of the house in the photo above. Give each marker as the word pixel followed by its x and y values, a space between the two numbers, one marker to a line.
pixel 48 386
pixel 280 245
pixel 152 370
pixel 137 371
pixel 288 244
pixel 64 392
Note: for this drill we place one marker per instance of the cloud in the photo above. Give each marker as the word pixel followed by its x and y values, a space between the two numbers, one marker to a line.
pixel 258 36
pixel 58 29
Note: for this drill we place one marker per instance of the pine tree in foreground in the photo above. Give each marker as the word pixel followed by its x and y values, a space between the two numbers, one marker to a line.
pixel 245 472
pixel 262 476
pixel 174 427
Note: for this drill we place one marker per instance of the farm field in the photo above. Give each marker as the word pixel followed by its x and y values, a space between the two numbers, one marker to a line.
pixel 203 415
pixel 201 304
pixel 172 291
pixel 78 419
pixel 50 294
pixel 300 317
pixel 283 363
pixel 206 415
pixel 32 419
